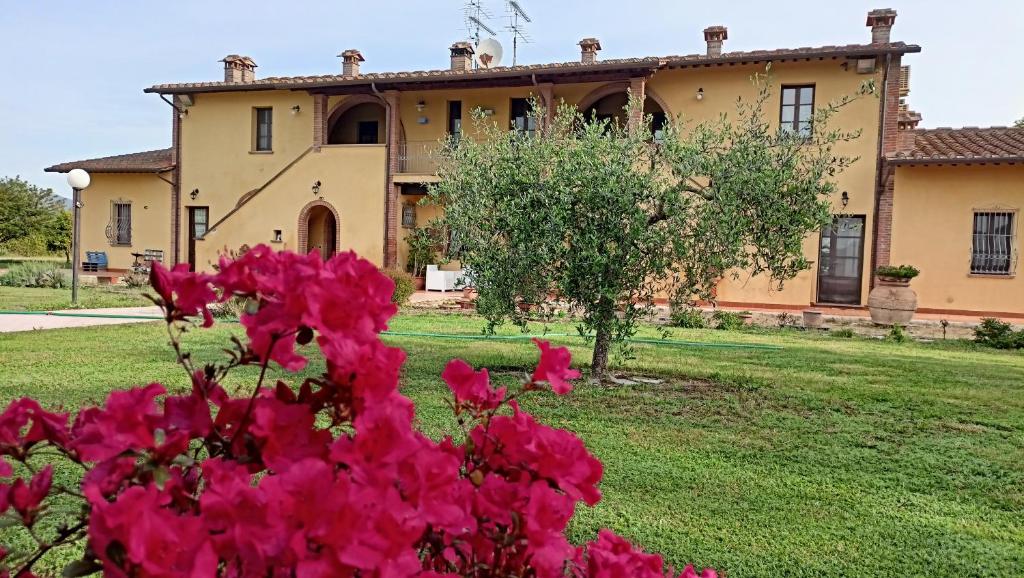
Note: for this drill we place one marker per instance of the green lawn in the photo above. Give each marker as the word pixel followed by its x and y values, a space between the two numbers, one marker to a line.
pixel 89 297
pixel 837 457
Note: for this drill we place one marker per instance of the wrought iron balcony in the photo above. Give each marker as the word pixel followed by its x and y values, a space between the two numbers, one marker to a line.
pixel 419 157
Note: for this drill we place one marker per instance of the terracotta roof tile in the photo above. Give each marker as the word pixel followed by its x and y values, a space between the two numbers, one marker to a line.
pixel 555 68
pixel 156 161
pixel 961 145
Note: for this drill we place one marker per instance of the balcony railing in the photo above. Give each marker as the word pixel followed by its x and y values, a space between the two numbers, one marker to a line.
pixel 419 157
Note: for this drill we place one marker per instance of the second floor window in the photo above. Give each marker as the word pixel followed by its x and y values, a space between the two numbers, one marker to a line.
pixel 797 109
pixel 522 120
pixel 264 129
pixel 455 119
pixel 992 249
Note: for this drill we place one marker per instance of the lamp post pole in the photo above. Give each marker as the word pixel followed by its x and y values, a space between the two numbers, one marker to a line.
pixel 76 236
pixel 78 179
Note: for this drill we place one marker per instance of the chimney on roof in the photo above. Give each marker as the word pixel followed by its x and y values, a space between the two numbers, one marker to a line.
pixel 588 50
pixel 881 20
pixel 462 56
pixel 239 68
pixel 715 36
pixel 350 60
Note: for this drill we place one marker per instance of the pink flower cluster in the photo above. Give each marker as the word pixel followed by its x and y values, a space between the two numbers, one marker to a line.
pixel 324 478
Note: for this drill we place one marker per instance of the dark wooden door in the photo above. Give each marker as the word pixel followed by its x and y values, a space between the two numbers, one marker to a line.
pixel 840 261
pixel 198 221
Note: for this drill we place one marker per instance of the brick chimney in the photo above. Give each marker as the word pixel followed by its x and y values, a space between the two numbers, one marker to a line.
pixel 588 50
pixel 350 60
pixel 462 56
pixel 238 68
pixel 715 36
pixel 881 21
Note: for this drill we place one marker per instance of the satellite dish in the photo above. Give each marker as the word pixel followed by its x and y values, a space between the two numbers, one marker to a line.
pixel 488 53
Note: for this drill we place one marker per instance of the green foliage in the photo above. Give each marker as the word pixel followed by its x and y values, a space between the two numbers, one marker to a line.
pixel 423 243
pixel 897 334
pixel 34 274
pixel 593 212
pixel 30 245
pixel 26 209
pixel 688 318
pixel 727 320
pixel 58 234
pixel 897 271
pixel 1019 123
pixel 136 280
pixel 844 333
pixel 404 285
pixel 998 334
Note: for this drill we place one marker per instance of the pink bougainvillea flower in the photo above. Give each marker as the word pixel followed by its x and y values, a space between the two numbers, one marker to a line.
pixel 127 422
pixel 26 498
pixel 472 387
pixel 689 572
pixel 184 292
pixel 554 367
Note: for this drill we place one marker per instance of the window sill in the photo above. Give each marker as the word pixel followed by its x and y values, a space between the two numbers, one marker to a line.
pixel 261 152
pixel 991 276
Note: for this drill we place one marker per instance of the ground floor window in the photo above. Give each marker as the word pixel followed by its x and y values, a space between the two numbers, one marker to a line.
pixel 119 231
pixel 992 246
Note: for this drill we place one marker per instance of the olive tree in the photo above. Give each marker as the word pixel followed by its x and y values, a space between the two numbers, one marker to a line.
pixel 600 216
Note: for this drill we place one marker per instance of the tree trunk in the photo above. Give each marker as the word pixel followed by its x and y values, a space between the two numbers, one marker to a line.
pixel 599 362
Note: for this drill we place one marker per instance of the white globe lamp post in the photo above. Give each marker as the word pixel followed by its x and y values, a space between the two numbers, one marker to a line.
pixel 78 179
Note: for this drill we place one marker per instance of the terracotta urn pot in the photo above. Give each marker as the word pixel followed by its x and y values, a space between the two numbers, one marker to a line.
pixel 892 301
pixel 419 283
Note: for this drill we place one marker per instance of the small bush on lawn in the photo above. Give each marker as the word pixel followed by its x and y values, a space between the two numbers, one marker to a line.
pixel 897 334
pixel 995 333
pixel 688 318
pixel 136 280
pixel 844 333
pixel 34 274
pixel 405 285
pixel 727 320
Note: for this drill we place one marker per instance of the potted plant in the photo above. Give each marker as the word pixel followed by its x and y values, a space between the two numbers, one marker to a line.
pixel 892 301
pixel 812 318
pixel 422 252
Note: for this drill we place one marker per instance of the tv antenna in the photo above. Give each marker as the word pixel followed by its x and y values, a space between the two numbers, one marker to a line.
pixel 476 15
pixel 517 19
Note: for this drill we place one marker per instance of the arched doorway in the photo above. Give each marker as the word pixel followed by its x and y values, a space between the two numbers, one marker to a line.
pixel 357 120
pixel 609 103
pixel 319 228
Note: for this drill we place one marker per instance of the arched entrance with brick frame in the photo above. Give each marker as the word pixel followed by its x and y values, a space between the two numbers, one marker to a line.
pixel 609 101
pixel 319 229
pixel 350 119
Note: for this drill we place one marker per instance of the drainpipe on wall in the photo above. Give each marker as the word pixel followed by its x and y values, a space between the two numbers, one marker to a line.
pixel 175 178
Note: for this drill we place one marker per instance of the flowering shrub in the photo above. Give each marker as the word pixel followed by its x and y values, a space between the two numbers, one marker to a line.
pixel 323 478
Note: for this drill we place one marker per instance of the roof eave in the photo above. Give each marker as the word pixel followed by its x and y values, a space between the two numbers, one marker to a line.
pixel 1010 160
pixel 64 168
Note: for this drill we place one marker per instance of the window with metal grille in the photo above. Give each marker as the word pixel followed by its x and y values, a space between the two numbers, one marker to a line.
pixel 119 231
pixel 992 251
pixel 797 109
pixel 264 129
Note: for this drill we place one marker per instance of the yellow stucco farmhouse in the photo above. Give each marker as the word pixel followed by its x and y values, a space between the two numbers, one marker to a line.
pixel 339 161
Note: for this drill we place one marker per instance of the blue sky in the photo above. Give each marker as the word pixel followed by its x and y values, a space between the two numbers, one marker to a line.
pixel 73 70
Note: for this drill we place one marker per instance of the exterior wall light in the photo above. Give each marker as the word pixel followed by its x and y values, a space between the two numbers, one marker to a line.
pixel 316 188
pixel 296 109
pixel 420 106
pixel 194 194
pixel 845 199
pixel 700 93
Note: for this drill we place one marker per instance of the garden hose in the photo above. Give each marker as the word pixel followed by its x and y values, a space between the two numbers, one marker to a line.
pixel 472 336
